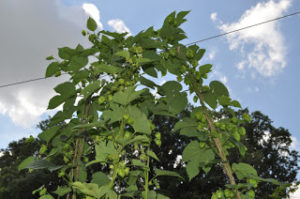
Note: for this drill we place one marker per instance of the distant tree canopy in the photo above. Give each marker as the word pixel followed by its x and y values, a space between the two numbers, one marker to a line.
pixel 268 150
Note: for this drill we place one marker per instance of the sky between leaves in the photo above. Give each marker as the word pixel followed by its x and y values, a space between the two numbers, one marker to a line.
pixel 260 65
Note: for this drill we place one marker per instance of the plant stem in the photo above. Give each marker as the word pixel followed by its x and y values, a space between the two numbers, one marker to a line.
pixel 216 140
pixel 147 178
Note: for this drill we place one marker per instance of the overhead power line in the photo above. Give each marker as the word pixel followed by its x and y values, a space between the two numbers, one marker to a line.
pixel 243 28
pixel 195 42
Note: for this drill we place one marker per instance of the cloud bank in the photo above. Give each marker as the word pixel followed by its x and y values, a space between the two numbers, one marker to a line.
pixel 119 26
pixel 30 31
pixel 262 47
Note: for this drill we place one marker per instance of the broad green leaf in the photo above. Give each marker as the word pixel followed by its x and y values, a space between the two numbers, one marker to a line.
pixel 47 196
pixel 100 178
pixel 82 173
pixel 113 115
pixel 66 53
pixel 149 70
pixel 123 53
pixel 48 134
pixel 170 87
pixel 152 155
pixel 91 88
pixel 127 96
pixel 61 191
pixel 43 164
pixel 103 68
pixel 103 150
pixel 56 101
pixel 243 170
pixel 140 123
pixel 77 62
pixel 205 68
pixel 211 100
pixel 185 123
pixel 199 54
pixel 89 125
pixel 193 132
pixel 236 104
pixel 80 75
pixel 151 194
pixel 25 163
pixel 193 152
pixel 65 89
pixel 89 189
pixel 160 172
pixel 218 88
pixel 137 139
pixel 91 24
pixel 52 69
pixel 176 102
pixel 242 148
pixel 136 162
pixel 192 169
pixel 224 100
pixel 148 82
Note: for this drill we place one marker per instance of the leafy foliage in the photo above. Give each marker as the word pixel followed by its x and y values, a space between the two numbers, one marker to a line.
pixel 112 117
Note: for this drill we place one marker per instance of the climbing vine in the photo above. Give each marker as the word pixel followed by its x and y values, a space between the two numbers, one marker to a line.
pixel 108 104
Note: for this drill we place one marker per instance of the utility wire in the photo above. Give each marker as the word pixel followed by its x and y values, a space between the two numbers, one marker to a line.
pixel 243 28
pixel 195 42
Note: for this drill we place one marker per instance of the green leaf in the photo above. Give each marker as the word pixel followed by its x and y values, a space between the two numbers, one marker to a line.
pixel 136 162
pixel 47 196
pixel 25 163
pixel 218 89
pixel 103 150
pixel 137 139
pixel 185 123
pixel 152 155
pixel 77 62
pixel 123 53
pixel 61 191
pixel 193 152
pixel 52 69
pixel 242 148
pixel 89 189
pixel 91 24
pixel 103 68
pixel 199 54
pixel 66 53
pixel 91 88
pixel 243 170
pixel 100 178
pixel 160 172
pixel 148 82
pixel 56 101
pixel 113 115
pixel 65 89
pixel 211 100
pixel 48 134
pixel 192 169
pixel 140 123
pixel 205 68
pixel 169 88
pixel 235 103
pixel 224 100
pixel 127 96
pixel 43 164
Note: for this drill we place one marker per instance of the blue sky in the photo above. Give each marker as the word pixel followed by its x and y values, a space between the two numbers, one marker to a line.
pixel 259 65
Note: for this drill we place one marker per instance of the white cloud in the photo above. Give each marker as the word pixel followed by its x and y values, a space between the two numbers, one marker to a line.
pixel 265 43
pixel 296 194
pixel 93 12
pixel 212 54
pixel 35 30
pixel 213 16
pixel 223 79
pixel 119 26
